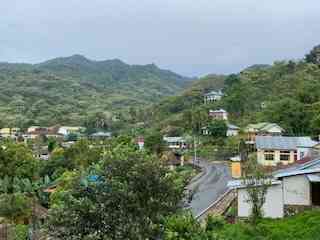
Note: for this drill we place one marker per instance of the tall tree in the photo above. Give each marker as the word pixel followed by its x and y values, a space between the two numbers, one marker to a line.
pixel 314 55
pixel 125 198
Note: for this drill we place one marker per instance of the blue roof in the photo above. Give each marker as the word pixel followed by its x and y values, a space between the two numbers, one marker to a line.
pixel 283 143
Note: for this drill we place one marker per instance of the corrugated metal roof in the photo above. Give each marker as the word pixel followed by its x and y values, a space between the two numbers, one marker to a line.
pixel 218 93
pixel 218 111
pixel 296 172
pixel 313 178
pixel 263 127
pixel 231 126
pixel 173 139
pixel 235 184
pixel 101 134
pixel 283 143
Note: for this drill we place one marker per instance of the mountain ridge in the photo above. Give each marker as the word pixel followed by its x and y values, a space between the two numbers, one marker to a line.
pixel 67 89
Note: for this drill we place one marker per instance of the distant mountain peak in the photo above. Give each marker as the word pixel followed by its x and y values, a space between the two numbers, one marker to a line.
pixel 78 57
pixel 75 59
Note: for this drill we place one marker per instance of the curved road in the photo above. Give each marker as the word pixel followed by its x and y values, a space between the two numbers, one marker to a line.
pixel 209 187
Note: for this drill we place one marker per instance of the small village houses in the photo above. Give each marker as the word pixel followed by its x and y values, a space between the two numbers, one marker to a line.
pixel 220 114
pixel 175 142
pixel 66 130
pixel 274 150
pixel 9 132
pixel 262 129
pixel 213 96
pixel 233 130
pixel 291 190
pixel 140 142
pixel 101 135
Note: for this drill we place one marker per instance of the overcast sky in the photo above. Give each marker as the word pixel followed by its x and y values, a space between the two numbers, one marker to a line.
pixel 191 37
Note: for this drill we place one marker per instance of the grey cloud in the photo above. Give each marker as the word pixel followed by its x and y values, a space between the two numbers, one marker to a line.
pixel 187 36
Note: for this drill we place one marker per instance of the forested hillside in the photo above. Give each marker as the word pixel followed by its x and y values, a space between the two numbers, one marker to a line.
pixel 69 90
pixel 287 92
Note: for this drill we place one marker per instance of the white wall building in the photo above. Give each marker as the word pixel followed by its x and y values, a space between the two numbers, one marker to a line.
pixel 213 96
pixel 292 188
pixel 220 114
pixel 233 130
pixel 175 142
pixel 66 130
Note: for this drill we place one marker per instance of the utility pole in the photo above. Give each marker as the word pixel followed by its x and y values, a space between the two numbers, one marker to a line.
pixel 195 150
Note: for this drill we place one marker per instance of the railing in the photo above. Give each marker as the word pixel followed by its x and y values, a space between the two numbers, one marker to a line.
pixel 219 206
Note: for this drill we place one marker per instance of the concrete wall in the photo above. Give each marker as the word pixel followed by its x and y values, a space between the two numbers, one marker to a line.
pixel 276 161
pixel 296 190
pixel 273 207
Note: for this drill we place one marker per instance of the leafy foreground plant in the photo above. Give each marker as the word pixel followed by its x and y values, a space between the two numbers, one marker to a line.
pixel 126 196
pixel 305 226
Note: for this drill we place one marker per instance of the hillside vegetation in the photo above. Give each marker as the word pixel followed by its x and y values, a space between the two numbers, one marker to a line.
pixel 303 226
pixel 287 92
pixel 68 90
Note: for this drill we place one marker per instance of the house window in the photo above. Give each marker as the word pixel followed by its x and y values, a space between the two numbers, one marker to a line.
pixel 269 155
pixel 284 155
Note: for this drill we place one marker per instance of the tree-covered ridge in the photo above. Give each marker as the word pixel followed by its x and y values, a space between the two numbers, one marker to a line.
pixel 66 90
pixel 287 92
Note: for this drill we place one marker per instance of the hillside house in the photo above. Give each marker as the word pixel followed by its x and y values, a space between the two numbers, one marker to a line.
pixel 35 132
pixel 33 129
pixel 53 132
pixel 292 190
pixel 101 135
pixel 274 150
pixel 212 96
pixel 175 142
pixel 66 130
pixel 220 114
pixel 41 153
pixel 140 142
pixel 262 129
pixel 233 130
pixel 9 132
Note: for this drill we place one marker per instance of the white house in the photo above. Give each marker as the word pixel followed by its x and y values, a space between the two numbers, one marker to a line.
pixel 101 135
pixel 233 130
pixel 213 96
pixel 220 114
pixel 274 150
pixel 289 191
pixel 175 142
pixel 66 130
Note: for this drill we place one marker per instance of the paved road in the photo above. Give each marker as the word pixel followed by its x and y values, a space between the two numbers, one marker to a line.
pixel 209 187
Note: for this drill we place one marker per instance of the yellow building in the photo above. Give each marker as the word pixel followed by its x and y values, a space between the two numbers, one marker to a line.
pixel 8 132
pixel 274 150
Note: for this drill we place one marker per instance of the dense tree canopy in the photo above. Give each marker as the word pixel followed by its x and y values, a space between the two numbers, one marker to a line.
pixel 126 197
pixel 16 160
